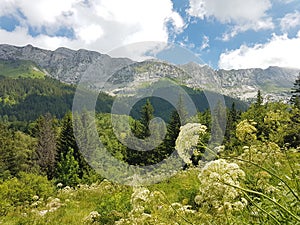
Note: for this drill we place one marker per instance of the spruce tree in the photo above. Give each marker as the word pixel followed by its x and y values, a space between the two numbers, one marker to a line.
pixel 46 145
pixel 67 140
pixel 68 169
pixel 218 123
pixel 232 117
pixel 136 157
pixel 183 114
pixel 173 130
pixel 146 117
pixel 295 99
pixel 259 99
pixel 8 154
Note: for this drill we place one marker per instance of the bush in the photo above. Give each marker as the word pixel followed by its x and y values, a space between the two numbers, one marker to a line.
pixel 21 191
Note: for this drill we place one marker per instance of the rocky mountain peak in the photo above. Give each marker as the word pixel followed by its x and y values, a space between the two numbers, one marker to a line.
pixel 69 66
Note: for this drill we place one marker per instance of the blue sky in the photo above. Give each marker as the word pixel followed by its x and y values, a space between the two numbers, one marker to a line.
pixel 225 34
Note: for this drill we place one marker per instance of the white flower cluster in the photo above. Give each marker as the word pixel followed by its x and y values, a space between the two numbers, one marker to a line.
pixel 92 217
pixel 267 151
pixel 188 139
pixel 215 190
pixel 151 208
pixel 52 205
pixel 246 131
pixel 137 215
pixel 140 194
pixel 263 182
pixel 37 201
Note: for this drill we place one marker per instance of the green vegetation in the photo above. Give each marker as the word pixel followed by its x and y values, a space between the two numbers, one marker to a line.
pixel 252 177
pixel 26 99
pixel 20 68
pixel 295 99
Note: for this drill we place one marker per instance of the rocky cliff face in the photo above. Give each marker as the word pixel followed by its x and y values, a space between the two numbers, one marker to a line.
pixel 65 64
pixel 119 73
pixel 274 82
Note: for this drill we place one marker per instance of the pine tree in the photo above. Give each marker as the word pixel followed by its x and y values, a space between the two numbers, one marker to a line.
pixel 146 117
pixel 46 145
pixel 16 152
pixel 85 135
pixel 66 137
pixel 173 130
pixel 295 99
pixel 218 123
pixel 67 140
pixel 259 99
pixel 68 169
pixel 232 117
pixel 183 114
pixel 8 154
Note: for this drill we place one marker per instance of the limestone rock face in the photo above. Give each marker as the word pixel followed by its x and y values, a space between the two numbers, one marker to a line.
pixel 65 64
pixel 122 74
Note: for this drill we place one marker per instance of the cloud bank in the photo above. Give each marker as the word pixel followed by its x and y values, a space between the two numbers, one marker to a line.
pixel 279 51
pixel 99 25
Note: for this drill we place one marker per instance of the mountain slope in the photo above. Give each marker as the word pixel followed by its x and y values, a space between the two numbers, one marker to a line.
pixel 274 82
pixel 64 64
pixel 20 68
pixel 70 66
pixel 25 99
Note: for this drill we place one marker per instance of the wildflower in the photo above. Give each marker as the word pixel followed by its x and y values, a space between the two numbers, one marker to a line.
pixel 216 179
pixel 59 185
pixel 246 131
pixel 92 217
pixel 35 198
pixel 188 139
pixel 219 149
pixel 139 194
pixel 269 151
pixel 277 164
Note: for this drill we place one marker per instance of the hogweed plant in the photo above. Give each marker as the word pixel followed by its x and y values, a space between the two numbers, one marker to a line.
pixel 271 184
pixel 214 193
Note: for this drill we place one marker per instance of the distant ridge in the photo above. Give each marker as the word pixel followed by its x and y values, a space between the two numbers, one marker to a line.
pixel 69 66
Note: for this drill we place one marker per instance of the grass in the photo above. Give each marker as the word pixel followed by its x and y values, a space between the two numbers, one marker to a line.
pixel 113 202
pixel 20 68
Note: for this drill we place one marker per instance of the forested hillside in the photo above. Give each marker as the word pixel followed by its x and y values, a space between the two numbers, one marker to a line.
pixel 25 99
pixel 251 178
pixel 235 164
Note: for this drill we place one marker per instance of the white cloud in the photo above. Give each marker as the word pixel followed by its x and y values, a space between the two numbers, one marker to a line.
pixel 20 37
pixel 90 33
pixel 245 15
pixel 286 1
pixel 290 20
pixel 279 51
pixel 205 43
pixel 256 26
pixel 99 25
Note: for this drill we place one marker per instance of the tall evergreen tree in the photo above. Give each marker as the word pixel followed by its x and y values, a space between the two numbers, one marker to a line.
pixel 46 145
pixel 8 154
pixel 17 153
pixel 218 123
pixel 173 130
pixel 232 116
pixel 146 117
pixel 68 169
pixel 183 114
pixel 295 99
pixel 67 140
pixel 205 118
pixel 259 99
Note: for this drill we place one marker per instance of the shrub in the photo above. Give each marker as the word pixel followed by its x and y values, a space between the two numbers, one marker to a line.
pixel 22 191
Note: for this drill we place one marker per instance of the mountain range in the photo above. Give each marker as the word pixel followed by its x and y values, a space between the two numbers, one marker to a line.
pixel 114 75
